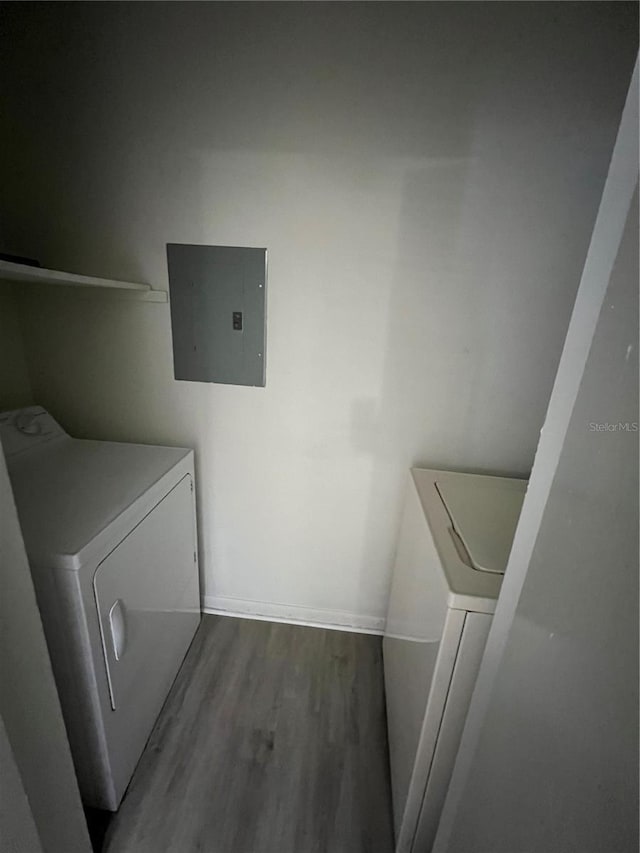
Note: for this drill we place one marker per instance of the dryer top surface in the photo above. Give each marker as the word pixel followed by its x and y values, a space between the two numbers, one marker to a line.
pixel 68 490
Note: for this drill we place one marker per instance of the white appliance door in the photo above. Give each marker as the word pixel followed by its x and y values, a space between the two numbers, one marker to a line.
pixel 147 596
pixel 436 764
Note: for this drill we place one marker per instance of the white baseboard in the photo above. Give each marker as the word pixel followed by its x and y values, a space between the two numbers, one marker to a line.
pixel 293 614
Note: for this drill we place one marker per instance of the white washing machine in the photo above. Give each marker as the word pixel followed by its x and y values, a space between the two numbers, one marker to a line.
pixel 455 539
pixel 110 532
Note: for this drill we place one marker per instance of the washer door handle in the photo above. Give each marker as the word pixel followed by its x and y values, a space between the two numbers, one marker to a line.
pixel 118 626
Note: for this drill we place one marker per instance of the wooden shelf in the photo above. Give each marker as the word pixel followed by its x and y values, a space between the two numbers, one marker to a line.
pixel 36 275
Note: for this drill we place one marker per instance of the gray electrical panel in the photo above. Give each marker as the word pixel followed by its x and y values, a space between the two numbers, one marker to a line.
pixel 218 298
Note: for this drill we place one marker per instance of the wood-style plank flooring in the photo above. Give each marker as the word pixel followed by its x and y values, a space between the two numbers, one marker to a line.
pixel 272 740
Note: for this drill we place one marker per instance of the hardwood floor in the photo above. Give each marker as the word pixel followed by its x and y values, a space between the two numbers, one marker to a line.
pixel 272 740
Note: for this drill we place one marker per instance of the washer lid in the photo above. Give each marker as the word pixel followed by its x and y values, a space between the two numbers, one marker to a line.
pixel 484 514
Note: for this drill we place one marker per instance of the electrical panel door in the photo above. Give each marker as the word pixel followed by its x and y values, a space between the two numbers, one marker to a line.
pixel 218 298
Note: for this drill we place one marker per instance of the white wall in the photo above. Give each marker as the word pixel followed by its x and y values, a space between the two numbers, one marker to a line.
pixel 425 177
pixel 548 759
pixel 15 385
pixel 557 764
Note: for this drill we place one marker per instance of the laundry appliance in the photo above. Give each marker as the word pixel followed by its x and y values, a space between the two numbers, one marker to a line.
pixel 110 532
pixel 455 539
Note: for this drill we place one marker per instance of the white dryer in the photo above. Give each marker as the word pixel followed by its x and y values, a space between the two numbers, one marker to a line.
pixel 455 539
pixel 110 532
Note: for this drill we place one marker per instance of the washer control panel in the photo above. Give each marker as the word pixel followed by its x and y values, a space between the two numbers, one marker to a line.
pixel 24 429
